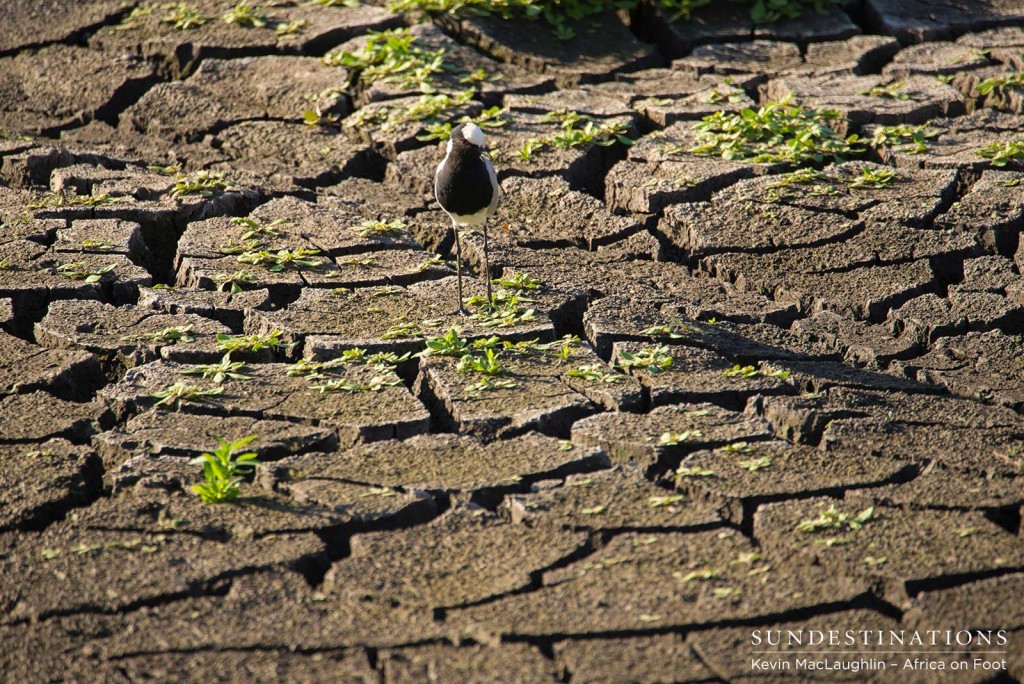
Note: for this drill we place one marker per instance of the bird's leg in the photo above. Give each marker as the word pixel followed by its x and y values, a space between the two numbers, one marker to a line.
pixel 460 309
pixel 487 270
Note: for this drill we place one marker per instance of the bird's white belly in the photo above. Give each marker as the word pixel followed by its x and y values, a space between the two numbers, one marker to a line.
pixel 476 219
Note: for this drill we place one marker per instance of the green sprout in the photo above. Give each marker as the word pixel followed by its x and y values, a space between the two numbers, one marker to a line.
pixel 518 281
pixel 487 364
pixel 225 370
pixel 201 184
pixel 491 118
pixel 393 56
pixel 254 229
pixel 1001 84
pixel 653 360
pixel 315 117
pixel 253 343
pixel 776 132
pixel 76 270
pixel 675 438
pixel 244 14
pixel 171 335
pixel 374 384
pixel 1002 154
pixel 449 344
pixel 755 464
pixel 222 469
pixel 283 259
pixel 99 245
pixel 891 91
pixel 368 229
pixel 183 17
pixel 402 330
pixel 235 282
pixel 832 518
pixel 69 198
pixel 595 373
pixel 752 372
pixel 180 392
pixel 488 383
pixel 904 138
pixel 685 472
pixel 291 28
pixel 873 178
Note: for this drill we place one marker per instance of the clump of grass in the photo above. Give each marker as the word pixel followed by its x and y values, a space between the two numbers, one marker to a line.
pixel 222 469
pixel 777 132
pixel 903 138
pixel 76 270
pixel 1002 154
pixel 200 184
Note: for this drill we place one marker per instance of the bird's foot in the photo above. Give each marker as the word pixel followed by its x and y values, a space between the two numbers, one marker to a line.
pixel 461 311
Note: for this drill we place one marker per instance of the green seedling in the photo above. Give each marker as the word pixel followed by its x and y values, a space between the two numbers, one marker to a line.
pixel 891 91
pixel 315 369
pixel 255 230
pixel 487 364
pixel 183 17
pixel 244 14
pixel 449 344
pixel 168 170
pixel 402 330
pixel 488 384
pixel 776 132
pixel 653 360
pixel 201 184
pixel 291 28
pixel 253 343
pixel 833 518
pixel 674 438
pixel 595 373
pixel 69 198
pixel 373 229
pixel 873 178
pixel 752 372
pixel 737 448
pixel 316 118
pixel 283 259
pixel 393 56
pixel 999 85
pixel 171 335
pixel 684 472
pixel 665 501
pixel 225 370
pixel 755 464
pixel 702 575
pixel 222 470
pixel 904 138
pixel 1002 154
pixel 235 282
pixel 374 384
pixel 98 245
pixel 178 393
pixel 518 281
pixel 491 118
pixel 76 270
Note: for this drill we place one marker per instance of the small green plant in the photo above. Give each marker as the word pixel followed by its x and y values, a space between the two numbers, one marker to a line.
pixel 665 501
pixel 676 438
pixel 171 335
pixel 255 230
pixel 166 170
pixel 183 17
pixel 392 56
pixel 752 372
pixel 98 245
pixel 253 343
pixel 755 464
pixel 76 270
pixel 489 119
pixel 225 370
pixel 671 330
pixel 502 311
pixel 1002 154
pixel 180 392
pixel 703 575
pixel 737 448
pixel 291 28
pixel 1001 84
pixel 313 369
pixel 449 344
pixel 244 14
pixel 282 259
pixel 776 132
pixel 727 92
pixel 372 229
pixel 402 330
pixel 316 118
pixel 200 184
pixel 487 364
pixel 222 470
pixel 374 384
pixel 904 138
pixel 687 472
pixel 595 373
pixel 235 282
pixel 891 91
pixel 518 281
pixel 653 360
pixel 69 198
pixel 488 384
pixel 873 178
pixel 833 518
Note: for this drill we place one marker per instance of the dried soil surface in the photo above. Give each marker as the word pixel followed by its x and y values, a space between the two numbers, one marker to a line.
pixel 724 398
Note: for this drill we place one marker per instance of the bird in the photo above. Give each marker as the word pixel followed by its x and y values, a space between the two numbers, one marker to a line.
pixel 466 187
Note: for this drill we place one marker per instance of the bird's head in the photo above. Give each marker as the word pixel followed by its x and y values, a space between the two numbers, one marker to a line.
pixel 467 136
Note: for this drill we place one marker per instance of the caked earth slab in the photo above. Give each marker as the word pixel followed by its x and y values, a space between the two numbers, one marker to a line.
pixel 127 336
pixel 746 474
pixel 177 51
pixel 940 487
pixel 641 581
pixel 534 392
pixel 443 462
pixel 861 343
pixel 991 210
pixel 697 375
pixel 42 481
pixel 466 663
pixel 931 317
pixel 105 236
pixel 394 127
pixel 398 318
pixel 644 659
pixel 935 58
pixel 389 411
pixel 982 604
pixel 920 548
pixel 631 438
pixel 610 501
pixel 460 558
pixel 42 90
pixel 32 23
pixel 530 44
pixel 35 417
pixel 227 308
pixel 917 21
pixel 25 367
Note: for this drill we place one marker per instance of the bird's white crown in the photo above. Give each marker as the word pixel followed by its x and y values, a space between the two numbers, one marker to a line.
pixel 473 134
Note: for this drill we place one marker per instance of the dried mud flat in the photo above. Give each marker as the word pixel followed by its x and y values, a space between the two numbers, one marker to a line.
pixel 836 443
